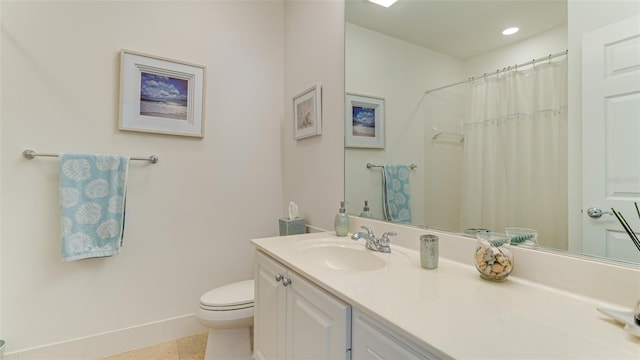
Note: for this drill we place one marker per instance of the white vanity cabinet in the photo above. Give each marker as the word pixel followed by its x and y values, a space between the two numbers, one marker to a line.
pixel 294 319
pixel 402 311
pixel 372 340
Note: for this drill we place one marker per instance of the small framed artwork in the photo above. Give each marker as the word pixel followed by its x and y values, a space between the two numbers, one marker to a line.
pixel 364 121
pixel 307 113
pixel 159 95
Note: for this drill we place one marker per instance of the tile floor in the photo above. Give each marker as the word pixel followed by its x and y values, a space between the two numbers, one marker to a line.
pixel 187 348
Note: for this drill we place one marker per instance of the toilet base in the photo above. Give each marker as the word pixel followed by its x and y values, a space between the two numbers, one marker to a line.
pixel 229 344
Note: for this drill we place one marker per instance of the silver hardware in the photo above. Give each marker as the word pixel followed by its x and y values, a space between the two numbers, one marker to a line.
pixel 30 154
pixel 531 62
pixel 279 277
pixel 437 132
pixel 385 241
pixel 596 213
pixel 371 243
pixel 369 238
pixel 371 166
pixel 286 281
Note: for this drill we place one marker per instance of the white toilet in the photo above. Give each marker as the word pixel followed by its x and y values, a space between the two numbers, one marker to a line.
pixel 228 313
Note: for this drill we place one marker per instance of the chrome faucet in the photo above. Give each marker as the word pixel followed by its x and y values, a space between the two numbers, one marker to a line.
pixel 371 243
pixel 369 237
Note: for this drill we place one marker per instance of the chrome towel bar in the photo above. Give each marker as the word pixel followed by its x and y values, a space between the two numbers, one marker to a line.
pixel 30 154
pixel 370 165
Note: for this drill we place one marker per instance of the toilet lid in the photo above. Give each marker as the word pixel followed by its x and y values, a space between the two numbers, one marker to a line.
pixel 234 295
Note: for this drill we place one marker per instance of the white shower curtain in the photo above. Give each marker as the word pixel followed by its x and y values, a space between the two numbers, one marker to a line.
pixel 515 152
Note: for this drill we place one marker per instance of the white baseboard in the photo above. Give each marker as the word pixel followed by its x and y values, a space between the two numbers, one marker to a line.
pixel 114 342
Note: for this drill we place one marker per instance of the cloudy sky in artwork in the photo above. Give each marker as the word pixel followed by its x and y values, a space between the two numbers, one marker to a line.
pixel 162 88
pixel 364 116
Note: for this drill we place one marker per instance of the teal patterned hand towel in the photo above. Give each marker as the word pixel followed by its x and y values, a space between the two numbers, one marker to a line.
pixel 92 197
pixel 395 193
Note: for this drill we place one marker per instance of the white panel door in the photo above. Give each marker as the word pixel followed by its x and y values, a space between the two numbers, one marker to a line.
pixel 372 341
pixel 318 325
pixel 270 315
pixel 611 137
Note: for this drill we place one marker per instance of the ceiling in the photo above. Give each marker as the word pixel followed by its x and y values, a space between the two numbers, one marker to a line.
pixel 459 28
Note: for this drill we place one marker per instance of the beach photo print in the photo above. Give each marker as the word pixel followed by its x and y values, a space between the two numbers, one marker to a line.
pixel 364 121
pixel 163 96
pixel 159 95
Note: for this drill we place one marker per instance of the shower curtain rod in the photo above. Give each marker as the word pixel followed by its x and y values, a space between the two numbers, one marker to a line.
pixel 551 56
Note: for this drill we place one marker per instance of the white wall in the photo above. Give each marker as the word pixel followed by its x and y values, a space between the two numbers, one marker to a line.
pixel 549 42
pixel 314 167
pixel 584 16
pixel 189 217
pixel 382 66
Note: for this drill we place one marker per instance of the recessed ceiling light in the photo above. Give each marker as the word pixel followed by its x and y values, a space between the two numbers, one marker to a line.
pixel 510 31
pixel 385 3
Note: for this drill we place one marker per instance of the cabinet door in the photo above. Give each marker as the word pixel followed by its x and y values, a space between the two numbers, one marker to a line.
pixel 318 324
pixel 372 341
pixel 269 315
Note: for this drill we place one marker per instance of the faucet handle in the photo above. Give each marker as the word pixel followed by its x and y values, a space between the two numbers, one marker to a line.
pixel 385 237
pixel 369 231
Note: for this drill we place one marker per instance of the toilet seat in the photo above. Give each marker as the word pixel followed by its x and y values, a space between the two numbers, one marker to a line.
pixel 234 296
pixel 230 308
pixel 228 313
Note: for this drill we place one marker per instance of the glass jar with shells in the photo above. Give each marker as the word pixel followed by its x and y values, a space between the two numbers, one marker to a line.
pixel 493 257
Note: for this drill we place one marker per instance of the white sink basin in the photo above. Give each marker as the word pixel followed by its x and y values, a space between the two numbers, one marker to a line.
pixel 341 255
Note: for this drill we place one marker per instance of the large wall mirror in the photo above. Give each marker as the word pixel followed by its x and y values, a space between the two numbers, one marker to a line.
pixel 488 131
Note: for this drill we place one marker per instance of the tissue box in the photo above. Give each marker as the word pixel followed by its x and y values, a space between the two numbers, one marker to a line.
pixel 292 227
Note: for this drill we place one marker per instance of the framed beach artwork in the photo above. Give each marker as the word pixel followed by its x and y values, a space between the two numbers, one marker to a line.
pixel 160 95
pixel 307 113
pixel 364 121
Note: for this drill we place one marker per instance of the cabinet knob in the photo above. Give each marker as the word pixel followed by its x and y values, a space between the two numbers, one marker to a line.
pixel 286 281
pixel 279 277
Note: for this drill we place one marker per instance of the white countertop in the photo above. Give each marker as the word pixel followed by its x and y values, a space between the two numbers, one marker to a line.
pixel 453 310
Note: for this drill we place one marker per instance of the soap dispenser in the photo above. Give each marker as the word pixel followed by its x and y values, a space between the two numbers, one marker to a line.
pixel 365 211
pixel 341 222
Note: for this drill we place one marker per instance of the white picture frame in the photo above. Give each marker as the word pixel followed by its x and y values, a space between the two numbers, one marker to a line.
pixel 307 113
pixel 160 95
pixel 364 121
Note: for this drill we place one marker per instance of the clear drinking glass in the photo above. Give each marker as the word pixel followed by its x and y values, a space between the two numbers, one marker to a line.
pixel 493 257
